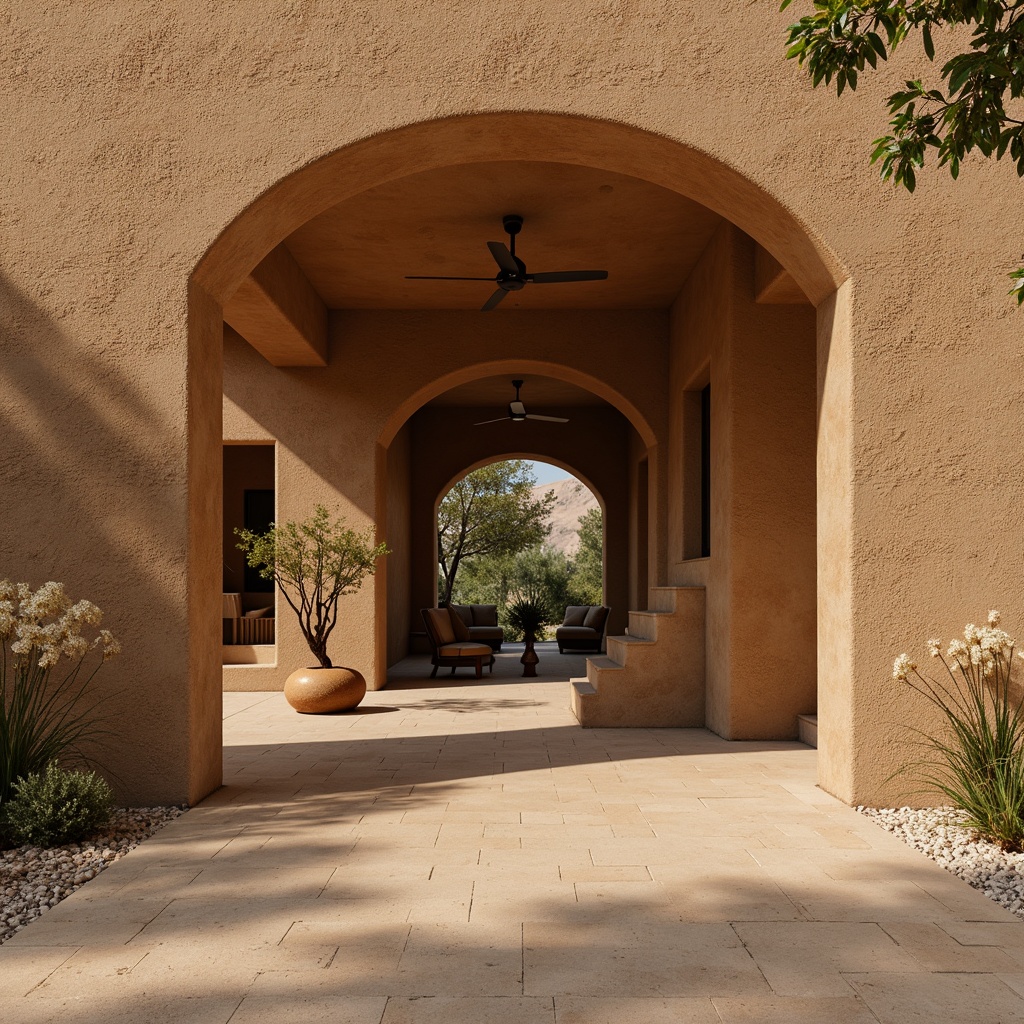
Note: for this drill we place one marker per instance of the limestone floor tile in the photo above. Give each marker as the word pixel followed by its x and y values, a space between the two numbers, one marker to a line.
pixel 731 898
pixel 936 950
pixel 938 998
pixel 130 1008
pixel 633 1010
pixel 792 1010
pixel 23 968
pixel 78 921
pixel 1007 936
pixel 690 960
pixel 811 958
pixel 469 1009
pixel 299 1008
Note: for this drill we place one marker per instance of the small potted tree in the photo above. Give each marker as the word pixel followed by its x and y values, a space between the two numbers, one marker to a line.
pixel 314 563
pixel 528 615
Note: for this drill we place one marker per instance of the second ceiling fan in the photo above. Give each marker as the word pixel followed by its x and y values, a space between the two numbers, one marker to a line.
pixel 512 273
pixel 517 412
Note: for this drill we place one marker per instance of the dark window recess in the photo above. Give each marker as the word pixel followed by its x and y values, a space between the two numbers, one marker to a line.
pixel 705 472
pixel 259 515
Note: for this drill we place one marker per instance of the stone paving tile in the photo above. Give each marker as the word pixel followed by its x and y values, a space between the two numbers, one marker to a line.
pixel 473 855
pixel 938 998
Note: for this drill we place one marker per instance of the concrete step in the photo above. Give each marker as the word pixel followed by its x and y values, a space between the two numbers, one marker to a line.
pixel 645 624
pixel 619 646
pixel 807 726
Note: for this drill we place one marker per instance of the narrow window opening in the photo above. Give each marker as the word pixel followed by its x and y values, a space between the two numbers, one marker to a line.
pixel 705 471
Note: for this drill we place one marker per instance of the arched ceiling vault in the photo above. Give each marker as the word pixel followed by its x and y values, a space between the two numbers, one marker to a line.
pixel 357 253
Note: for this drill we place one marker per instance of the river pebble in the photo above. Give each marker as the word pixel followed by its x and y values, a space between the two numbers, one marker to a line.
pixel 33 879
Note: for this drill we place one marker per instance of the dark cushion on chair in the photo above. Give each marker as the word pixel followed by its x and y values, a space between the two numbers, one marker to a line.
pixel 484 614
pixel 464 651
pixel 464 612
pixel 577 633
pixel 459 627
pixel 575 614
pixel 596 617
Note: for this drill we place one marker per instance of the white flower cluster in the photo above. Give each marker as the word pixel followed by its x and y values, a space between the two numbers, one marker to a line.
pixel 981 646
pixel 47 624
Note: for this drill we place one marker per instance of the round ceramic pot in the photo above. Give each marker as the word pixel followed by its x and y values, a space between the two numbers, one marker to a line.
pixel 317 691
pixel 529 659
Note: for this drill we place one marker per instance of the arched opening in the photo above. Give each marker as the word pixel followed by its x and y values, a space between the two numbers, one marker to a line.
pixel 441 441
pixel 358 353
pixel 504 536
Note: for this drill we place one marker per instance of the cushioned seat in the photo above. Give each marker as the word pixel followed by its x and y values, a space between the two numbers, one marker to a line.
pixel 482 622
pixel 451 644
pixel 582 631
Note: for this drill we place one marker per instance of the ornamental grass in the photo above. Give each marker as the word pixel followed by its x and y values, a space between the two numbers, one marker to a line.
pixel 46 666
pixel 977 762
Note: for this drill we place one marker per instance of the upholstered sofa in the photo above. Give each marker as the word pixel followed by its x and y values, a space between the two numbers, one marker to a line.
pixel 450 644
pixel 482 622
pixel 582 631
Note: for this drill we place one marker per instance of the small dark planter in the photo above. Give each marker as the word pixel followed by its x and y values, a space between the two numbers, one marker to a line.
pixel 529 659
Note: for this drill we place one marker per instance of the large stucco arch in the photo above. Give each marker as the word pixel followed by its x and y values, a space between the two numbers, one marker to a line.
pixel 592 142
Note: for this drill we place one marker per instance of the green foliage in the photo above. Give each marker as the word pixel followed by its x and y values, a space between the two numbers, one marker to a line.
pixel 841 38
pixel 56 806
pixel 978 762
pixel 490 511
pixel 528 617
pixel 587 581
pixel 313 563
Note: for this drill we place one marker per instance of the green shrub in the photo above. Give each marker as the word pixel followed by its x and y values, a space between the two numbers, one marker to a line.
pixel 57 806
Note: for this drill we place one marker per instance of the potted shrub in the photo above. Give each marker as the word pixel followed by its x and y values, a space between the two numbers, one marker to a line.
pixel 314 563
pixel 529 616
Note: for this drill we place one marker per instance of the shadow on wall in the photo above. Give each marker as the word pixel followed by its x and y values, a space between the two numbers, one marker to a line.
pixel 93 474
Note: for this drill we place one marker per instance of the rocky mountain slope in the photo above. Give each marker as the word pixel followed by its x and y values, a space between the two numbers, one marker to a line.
pixel 572 499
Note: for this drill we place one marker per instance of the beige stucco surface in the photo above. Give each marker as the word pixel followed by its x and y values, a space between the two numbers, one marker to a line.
pixel 141 135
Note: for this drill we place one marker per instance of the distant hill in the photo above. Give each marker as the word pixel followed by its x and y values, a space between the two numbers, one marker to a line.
pixel 572 499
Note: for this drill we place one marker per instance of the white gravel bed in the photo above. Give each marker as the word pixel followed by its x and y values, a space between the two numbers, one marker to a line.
pixel 935 832
pixel 33 879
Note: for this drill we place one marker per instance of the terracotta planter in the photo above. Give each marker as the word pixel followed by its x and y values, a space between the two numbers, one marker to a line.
pixel 316 691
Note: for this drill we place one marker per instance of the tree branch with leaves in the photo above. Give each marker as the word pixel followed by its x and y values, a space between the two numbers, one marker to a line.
pixel 967 112
pixel 491 511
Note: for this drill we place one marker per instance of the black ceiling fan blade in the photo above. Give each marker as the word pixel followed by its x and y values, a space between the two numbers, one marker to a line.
pixel 547 419
pixel 428 277
pixel 495 298
pixel 483 423
pixel 504 259
pixel 559 276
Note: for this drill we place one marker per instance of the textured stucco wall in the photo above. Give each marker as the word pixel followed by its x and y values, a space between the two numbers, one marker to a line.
pixel 761 598
pixel 139 133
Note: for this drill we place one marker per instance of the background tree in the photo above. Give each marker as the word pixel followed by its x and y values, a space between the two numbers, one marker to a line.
pixel 841 39
pixel 491 511
pixel 587 582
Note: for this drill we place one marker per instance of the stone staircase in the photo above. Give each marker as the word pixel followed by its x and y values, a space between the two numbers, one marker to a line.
pixel 653 677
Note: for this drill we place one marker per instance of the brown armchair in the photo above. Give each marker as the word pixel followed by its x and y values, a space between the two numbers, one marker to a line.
pixel 450 643
pixel 583 629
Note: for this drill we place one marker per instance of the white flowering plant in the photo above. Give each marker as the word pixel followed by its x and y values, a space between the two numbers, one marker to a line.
pixel 978 762
pixel 50 650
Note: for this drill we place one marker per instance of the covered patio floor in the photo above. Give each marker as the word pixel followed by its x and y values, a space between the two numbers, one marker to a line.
pixel 459 850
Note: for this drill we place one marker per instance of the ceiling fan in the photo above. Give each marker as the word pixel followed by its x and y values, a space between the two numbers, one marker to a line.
pixel 512 272
pixel 517 412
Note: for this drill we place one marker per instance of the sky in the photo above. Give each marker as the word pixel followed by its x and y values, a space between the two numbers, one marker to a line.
pixel 548 474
